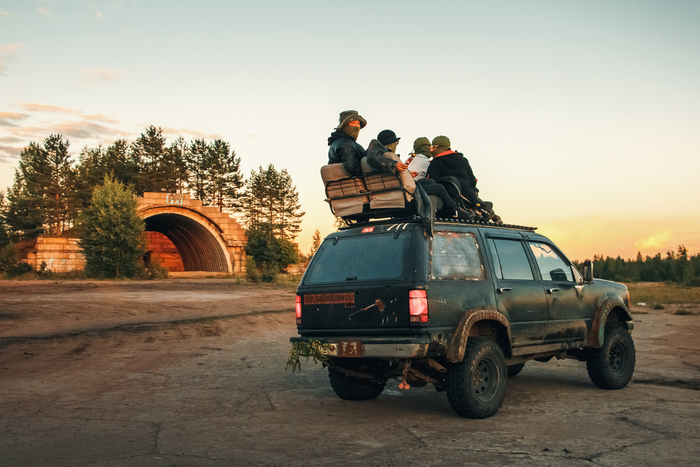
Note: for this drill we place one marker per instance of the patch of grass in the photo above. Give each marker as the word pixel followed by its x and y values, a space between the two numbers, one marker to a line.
pixel 684 312
pixel 659 293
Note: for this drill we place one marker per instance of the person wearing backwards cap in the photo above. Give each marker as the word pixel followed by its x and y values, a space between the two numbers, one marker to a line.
pixel 344 148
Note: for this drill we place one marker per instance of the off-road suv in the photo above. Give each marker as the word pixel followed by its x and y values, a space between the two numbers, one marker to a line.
pixel 462 309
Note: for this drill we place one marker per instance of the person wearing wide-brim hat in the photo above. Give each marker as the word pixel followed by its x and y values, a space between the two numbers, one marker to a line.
pixel 344 148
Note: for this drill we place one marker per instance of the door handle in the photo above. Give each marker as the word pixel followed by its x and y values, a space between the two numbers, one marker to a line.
pixel 552 290
pixel 504 289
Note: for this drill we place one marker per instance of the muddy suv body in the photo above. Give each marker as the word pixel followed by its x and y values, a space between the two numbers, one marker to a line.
pixel 461 309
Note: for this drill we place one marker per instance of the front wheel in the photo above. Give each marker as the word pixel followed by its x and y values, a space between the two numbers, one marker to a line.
pixel 612 365
pixel 353 389
pixel 476 386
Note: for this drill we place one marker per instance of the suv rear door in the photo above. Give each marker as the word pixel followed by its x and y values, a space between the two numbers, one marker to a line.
pixel 356 283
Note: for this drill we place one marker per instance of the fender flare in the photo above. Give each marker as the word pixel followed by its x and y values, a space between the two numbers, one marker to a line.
pixel 456 347
pixel 606 304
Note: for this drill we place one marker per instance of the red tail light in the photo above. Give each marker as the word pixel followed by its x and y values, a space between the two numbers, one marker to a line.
pixel 298 309
pixel 418 306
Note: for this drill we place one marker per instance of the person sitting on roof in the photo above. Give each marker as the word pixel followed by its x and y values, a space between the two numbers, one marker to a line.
pixel 420 159
pixel 344 148
pixel 380 157
pixel 452 165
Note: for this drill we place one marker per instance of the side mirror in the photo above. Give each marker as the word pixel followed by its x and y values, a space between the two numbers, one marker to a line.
pixel 588 271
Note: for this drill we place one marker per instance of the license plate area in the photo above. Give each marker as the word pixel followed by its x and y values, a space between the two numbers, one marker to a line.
pixel 350 349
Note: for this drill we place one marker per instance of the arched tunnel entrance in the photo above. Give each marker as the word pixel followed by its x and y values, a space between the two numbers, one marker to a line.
pixel 199 249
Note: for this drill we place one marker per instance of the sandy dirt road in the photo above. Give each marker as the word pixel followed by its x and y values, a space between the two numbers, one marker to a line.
pixel 190 373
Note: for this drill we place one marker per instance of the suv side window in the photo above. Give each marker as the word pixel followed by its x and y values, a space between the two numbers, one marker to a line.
pixel 456 256
pixel 510 259
pixel 552 266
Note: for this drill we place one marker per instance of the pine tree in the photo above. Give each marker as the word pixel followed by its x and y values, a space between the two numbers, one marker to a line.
pixel 119 164
pixel 4 238
pixel 224 179
pixel 272 216
pixel 196 159
pixel 148 153
pixel 315 243
pixel 111 232
pixel 175 167
pixel 271 203
pixel 42 198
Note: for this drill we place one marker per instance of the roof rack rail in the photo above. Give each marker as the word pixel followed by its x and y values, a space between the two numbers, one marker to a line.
pixel 438 219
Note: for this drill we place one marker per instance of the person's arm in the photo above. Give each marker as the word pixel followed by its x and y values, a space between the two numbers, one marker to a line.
pixel 350 159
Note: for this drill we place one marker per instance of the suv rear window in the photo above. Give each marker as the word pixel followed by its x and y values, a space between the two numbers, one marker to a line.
pixel 373 257
pixel 456 256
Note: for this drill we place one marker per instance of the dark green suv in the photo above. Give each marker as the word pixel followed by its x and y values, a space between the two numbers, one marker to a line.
pixel 462 309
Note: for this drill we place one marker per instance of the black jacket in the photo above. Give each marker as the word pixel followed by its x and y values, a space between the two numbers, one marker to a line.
pixel 455 165
pixel 343 149
pixel 377 160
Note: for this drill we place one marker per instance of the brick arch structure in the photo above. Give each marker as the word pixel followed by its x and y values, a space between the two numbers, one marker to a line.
pixel 206 239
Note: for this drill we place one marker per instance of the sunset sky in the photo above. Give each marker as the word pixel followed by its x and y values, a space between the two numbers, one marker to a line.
pixel 579 117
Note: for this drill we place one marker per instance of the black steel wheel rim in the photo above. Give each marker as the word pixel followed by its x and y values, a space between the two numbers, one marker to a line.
pixel 486 379
pixel 617 358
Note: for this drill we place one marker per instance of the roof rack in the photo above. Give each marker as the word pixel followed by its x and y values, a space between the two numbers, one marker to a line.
pixel 486 224
pixel 438 219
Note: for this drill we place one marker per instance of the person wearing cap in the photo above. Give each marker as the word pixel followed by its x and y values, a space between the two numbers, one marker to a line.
pixel 449 163
pixel 420 159
pixel 381 157
pixel 453 164
pixel 343 146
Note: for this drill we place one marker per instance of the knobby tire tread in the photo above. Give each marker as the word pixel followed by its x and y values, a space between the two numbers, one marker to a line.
pixel 598 365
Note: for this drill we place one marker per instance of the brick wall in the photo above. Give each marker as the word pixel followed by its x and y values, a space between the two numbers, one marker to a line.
pixel 163 250
pixel 60 254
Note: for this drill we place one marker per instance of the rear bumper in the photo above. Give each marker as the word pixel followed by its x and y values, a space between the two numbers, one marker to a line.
pixel 373 347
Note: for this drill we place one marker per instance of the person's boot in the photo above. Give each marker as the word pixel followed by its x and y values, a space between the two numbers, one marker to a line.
pixel 463 215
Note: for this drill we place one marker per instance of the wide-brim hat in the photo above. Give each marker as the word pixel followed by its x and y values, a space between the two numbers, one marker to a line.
pixel 347 116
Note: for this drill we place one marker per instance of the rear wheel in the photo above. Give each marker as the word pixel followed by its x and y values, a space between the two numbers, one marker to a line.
pixel 612 365
pixel 513 370
pixel 476 386
pixel 353 389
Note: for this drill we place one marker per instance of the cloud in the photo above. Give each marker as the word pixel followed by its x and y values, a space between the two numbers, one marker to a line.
pixel 99 15
pixel 32 107
pixel 654 242
pixel 44 11
pixel 103 74
pixel 2 13
pixel 188 132
pixel 85 129
pixel 7 53
pixel 9 153
pixel 6 117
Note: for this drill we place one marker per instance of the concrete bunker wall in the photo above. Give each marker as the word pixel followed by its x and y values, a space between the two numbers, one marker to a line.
pixel 206 239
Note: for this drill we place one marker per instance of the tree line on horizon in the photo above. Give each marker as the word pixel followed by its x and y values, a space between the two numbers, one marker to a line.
pixel 675 267
pixel 51 189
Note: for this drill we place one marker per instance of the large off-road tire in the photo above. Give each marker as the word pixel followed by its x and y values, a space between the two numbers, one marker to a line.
pixel 353 389
pixel 612 365
pixel 513 370
pixel 476 386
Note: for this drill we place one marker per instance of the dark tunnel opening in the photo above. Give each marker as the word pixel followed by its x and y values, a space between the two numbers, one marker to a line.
pixel 198 248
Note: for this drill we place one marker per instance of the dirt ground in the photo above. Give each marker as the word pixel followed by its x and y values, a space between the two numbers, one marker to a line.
pixel 191 372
